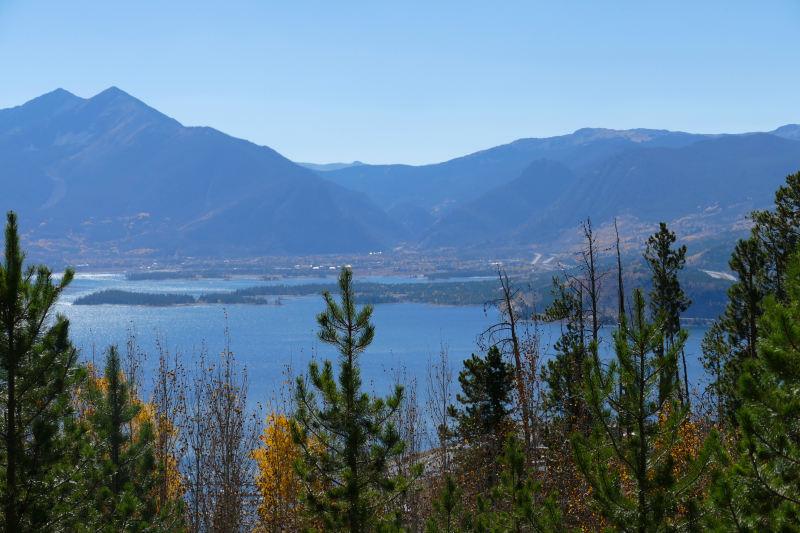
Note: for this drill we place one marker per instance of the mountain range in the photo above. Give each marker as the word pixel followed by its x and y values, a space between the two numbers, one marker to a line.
pixel 110 176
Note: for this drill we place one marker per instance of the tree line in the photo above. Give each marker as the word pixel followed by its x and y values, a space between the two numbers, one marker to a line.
pixel 512 441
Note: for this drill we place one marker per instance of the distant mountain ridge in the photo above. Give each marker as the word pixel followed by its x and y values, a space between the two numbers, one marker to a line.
pixel 434 187
pixel 645 176
pixel 110 176
pixel 790 131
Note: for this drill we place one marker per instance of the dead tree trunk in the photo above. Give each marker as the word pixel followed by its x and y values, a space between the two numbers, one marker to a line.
pixel 505 334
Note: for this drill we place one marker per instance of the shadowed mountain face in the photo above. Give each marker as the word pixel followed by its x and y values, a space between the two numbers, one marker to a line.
pixel 707 187
pixel 499 211
pixel 703 188
pixel 114 176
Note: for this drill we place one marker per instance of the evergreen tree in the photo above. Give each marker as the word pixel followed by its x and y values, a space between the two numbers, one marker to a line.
pixel 43 450
pixel 486 384
pixel 760 263
pixel 633 475
pixel 563 373
pixel 348 441
pixel 732 339
pixel 483 421
pixel 778 232
pixel 667 296
pixel 761 492
pixel 448 515
pixel 127 472
pixel 516 497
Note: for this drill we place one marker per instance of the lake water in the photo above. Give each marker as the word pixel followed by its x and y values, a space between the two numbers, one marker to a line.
pixel 266 338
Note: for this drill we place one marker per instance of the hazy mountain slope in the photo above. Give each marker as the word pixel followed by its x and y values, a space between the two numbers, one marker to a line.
pixel 416 219
pixel 707 184
pixel 501 210
pixel 442 187
pixel 790 131
pixel 37 110
pixel 383 226
pixel 110 174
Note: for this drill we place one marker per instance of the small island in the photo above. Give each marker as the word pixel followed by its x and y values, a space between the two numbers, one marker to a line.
pixel 146 299
pixel 119 297
pixel 441 293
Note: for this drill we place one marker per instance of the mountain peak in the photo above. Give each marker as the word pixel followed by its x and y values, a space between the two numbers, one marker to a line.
pixel 122 102
pixel 114 92
pixel 61 93
pixel 40 108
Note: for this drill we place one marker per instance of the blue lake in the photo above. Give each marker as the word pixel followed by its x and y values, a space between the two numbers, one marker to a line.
pixel 266 338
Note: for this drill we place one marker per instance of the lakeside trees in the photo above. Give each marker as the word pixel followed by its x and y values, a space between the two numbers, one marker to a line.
pixel 584 442
pixel 760 490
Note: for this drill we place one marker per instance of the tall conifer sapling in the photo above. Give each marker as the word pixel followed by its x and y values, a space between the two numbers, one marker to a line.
pixel 41 448
pixel 348 441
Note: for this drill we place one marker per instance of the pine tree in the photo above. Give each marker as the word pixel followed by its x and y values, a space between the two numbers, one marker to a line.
pixel 635 482
pixel 761 492
pixel 43 450
pixel 667 295
pixel 484 420
pixel 486 386
pixel 516 498
pixel 486 389
pixel 760 262
pixel 732 339
pixel 448 515
pixel 128 471
pixel 355 441
pixel 778 233
pixel 563 373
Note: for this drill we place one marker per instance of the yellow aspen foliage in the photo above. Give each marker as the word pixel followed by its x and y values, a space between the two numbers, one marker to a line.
pixel 278 485
pixel 164 431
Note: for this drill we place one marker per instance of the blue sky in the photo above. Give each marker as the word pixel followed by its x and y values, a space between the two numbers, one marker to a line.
pixel 415 82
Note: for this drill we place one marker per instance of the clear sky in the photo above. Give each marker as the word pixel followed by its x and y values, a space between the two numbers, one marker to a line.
pixel 415 82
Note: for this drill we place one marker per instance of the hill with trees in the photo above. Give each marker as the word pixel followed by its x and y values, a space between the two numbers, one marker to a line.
pixel 702 189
